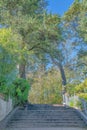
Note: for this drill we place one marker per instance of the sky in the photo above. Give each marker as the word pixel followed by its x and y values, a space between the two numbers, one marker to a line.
pixel 59 6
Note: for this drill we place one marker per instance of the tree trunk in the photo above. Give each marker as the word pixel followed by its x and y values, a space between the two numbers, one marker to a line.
pixel 63 83
pixel 22 71
pixel 22 65
pixel 63 77
pixel 62 74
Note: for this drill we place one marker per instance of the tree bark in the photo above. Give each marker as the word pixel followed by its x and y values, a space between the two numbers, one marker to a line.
pixel 22 70
pixel 63 83
pixel 63 77
pixel 22 65
pixel 62 74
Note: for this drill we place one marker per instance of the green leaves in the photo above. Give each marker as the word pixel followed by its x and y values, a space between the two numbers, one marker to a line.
pixel 21 89
pixel 81 89
pixel 78 13
pixel 8 51
pixel 46 87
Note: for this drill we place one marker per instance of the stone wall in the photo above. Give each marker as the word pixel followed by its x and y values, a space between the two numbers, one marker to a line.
pixel 5 108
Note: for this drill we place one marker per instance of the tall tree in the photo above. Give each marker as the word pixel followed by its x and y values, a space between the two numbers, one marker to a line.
pixel 36 30
pixel 76 17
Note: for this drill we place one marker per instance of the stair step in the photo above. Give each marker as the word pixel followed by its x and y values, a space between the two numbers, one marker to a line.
pixel 45 125
pixel 47 118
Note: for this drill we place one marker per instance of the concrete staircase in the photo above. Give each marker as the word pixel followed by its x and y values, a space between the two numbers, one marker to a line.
pixel 45 116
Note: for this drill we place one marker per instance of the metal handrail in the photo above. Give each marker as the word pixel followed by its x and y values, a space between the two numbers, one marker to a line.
pixel 83 106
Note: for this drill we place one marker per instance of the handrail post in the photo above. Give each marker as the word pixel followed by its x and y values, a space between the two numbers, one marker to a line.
pixel 64 94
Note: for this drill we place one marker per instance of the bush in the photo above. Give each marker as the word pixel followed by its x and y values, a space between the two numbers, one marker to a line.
pixel 81 90
pixel 4 88
pixel 83 96
pixel 71 103
pixel 20 91
pixel 79 104
pixel 70 88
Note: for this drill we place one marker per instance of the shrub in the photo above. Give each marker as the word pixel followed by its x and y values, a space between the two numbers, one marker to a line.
pixel 83 96
pixel 81 90
pixel 79 104
pixel 20 91
pixel 71 103
pixel 4 88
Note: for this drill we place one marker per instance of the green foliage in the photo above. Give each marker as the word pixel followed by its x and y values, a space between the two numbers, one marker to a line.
pixel 83 96
pixel 5 88
pixel 70 89
pixel 36 29
pixel 77 13
pixel 8 51
pixel 46 88
pixel 71 103
pixel 8 60
pixel 81 89
pixel 79 104
pixel 25 6
pixel 20 91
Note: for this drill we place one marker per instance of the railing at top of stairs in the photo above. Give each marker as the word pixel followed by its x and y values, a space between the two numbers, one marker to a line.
pixel 79 104
pixel 83 104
